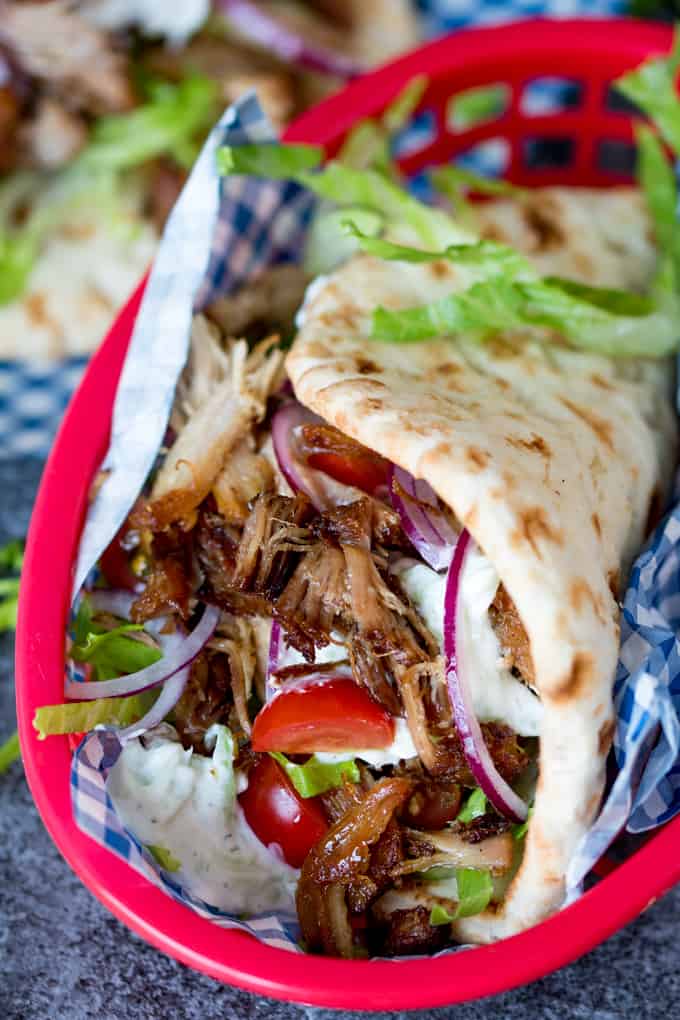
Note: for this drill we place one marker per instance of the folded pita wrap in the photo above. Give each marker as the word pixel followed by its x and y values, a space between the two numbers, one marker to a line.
pixel 551 458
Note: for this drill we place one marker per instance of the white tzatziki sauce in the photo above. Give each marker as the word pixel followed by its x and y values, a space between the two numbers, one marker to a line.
pixel 401 748
pixel 185 803
pixel 497 695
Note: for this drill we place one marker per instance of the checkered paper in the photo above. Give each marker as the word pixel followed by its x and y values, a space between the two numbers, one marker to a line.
pixel 33 398
pixel 647 789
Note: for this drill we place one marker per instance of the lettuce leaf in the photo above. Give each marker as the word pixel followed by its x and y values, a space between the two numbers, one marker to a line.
pixel 316 776
pixel 455 182
pixel 83 716
pixel 112 653
pixel 519 830
pixel 166 860
pixel 9 752
pixel 503 292
pixel 269 159
pixel 474 807
pixel 368 143
pixel 475 889
pixel 609 322
pixel 488 257
pixel 476 105
pixel 651 86
pixel 345 186
pixel 329 242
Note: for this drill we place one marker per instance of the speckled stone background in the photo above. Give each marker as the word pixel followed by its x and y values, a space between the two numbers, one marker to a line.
pixel 63 957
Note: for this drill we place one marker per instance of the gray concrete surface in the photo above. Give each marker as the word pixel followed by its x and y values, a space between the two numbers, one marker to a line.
pixel 63 957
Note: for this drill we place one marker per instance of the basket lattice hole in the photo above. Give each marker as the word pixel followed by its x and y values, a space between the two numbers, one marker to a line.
pixel 548 153
pixel 476 106
pixel 549 94
pixel 616 156
pixel 490 158
pixel 420 132
pixel 616 102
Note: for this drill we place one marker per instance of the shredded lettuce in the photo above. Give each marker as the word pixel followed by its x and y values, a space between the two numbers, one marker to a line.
pixel 452 179
pixel 368 144
pixel 475 889
pixel 454 182
pixel 510 295
pixel 166 860
pixel 345 186
pixel 83 716
pixel 503 292
pixel 269 159
pixel 9 752
pixel 474 807
pixel 316 776
pixel 651 86
pixel 329 242
pixel 476 105
pixel 519 830
pixel 608 322
pixel 112 653
pixel 487 257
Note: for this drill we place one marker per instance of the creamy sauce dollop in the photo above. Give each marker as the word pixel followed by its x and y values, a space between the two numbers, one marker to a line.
pixel 497 695
pixel 186 804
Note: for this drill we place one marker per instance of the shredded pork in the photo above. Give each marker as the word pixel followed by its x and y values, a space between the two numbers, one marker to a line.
pixel 216 529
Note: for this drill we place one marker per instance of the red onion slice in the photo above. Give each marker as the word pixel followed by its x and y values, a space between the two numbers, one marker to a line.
pixel 276 641
pixel 288 45
pixel 424 523
pixel 166 701
pixel 324 492
pixel 180 650
pixel 500 793
pixel 286 419
pixel 112 600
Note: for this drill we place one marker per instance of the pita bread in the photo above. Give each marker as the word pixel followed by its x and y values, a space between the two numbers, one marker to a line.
pixel 82 278
pixel 551 458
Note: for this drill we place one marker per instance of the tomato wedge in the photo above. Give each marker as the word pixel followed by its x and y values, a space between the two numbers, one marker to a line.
pixel 115 565
pixel 277 813
pixel 326 449
pixel 324 715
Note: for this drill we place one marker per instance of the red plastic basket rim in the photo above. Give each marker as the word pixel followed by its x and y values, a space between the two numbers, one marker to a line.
pixel 231 956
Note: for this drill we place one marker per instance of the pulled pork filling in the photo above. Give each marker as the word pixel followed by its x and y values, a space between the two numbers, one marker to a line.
pixel 325 578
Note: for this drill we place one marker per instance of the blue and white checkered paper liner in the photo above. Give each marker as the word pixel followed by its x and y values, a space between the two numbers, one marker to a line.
pixel 33 398
pixel 256 223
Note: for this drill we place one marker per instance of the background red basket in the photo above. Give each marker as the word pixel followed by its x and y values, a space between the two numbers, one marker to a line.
pixel 588 133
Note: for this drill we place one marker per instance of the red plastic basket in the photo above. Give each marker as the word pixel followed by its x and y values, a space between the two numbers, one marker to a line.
pixel 590 53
